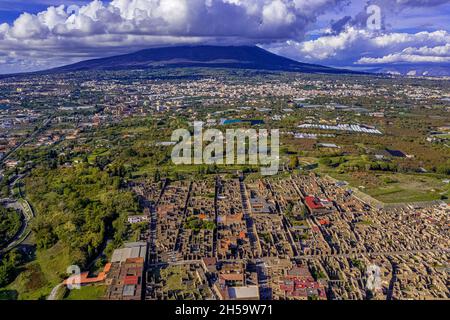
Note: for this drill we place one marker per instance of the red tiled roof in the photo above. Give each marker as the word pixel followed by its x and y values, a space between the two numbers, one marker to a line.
pixel 131 280
pixel 107 267
pixel 313 202
pixel 135 260
pixel 232 276
pixel 209 261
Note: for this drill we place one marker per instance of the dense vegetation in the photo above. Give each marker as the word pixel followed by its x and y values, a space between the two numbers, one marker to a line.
pixel 10 223
pixel 8 266
pixel 80 207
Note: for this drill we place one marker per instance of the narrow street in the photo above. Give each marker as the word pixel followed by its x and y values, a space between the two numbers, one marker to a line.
pixel 246 207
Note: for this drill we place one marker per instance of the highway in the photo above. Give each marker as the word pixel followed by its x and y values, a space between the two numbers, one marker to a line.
pixel 24 207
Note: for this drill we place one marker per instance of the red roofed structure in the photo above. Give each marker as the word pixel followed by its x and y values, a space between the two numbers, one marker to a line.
pixel 131 280
pixel 84 279
pixel 319 206
pixel 298 283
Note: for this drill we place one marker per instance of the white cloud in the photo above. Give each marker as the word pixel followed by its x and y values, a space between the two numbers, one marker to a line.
pixel 352 44
pixel 124 25
pixel 329 46
pixel 402 57
pixel 55 36
pixel 28 26
pixel 276 13
pixel 435 51
pixel 438 54
pixel 178 17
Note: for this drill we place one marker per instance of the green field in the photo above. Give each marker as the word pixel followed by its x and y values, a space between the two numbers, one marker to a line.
pixel 41 275
pixel 395 187
pixel 86 293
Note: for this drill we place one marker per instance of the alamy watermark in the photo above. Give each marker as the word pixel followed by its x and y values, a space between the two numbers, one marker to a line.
pixel 74 281
pixel 242 146
pixel 373 273
pixel 73 9
pixel 374 17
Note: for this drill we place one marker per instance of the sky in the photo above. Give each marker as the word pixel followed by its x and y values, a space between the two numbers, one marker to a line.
pixel 40 34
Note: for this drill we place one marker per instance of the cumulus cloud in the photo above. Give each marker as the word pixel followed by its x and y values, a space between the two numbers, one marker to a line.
pixel 62 34
pixel 438 54
pixel 361 45
pixel 250 19
pixel 421 3
pixel 124 24
pixel 402 57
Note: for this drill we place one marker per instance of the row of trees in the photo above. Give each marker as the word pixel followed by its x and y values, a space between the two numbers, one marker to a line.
pixel 362 164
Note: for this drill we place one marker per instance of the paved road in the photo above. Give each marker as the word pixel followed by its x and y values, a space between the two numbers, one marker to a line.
pixel 376 253
pixel 188 262
pixel 255 244
pixel 54 292
pixel 27 214
pixel 23 206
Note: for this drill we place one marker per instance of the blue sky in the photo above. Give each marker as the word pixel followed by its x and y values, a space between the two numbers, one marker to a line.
pixel 39 34
pixel 11 9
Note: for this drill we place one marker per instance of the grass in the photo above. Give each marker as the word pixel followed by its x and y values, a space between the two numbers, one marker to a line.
pixel 41 275
pixel 365 223
pixel 140 129
pixel 98 152
pixel 173 282
pixel 31 283
pixel 174 278
pixel 394 187
pixel 443 136
pixel 86 293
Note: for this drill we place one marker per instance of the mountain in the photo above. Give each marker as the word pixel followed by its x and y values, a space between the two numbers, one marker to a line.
pixel 240 57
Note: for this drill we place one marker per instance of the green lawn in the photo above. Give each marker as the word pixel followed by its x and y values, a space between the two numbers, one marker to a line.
pixel 86 293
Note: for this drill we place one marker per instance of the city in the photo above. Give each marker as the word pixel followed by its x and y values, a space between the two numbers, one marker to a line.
pixel 95 97
pixel 215 232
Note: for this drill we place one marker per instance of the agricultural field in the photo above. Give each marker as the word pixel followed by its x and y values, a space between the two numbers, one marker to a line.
pixel 396 187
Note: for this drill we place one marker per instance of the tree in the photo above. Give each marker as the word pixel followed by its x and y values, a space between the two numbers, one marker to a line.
pixel 294 162
pixel 8 266
pixel 10 223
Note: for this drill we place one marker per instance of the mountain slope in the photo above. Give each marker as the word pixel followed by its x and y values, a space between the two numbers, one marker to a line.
pixel 241 57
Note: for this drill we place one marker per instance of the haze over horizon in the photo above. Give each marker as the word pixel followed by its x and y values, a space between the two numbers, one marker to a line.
pixel 42 34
